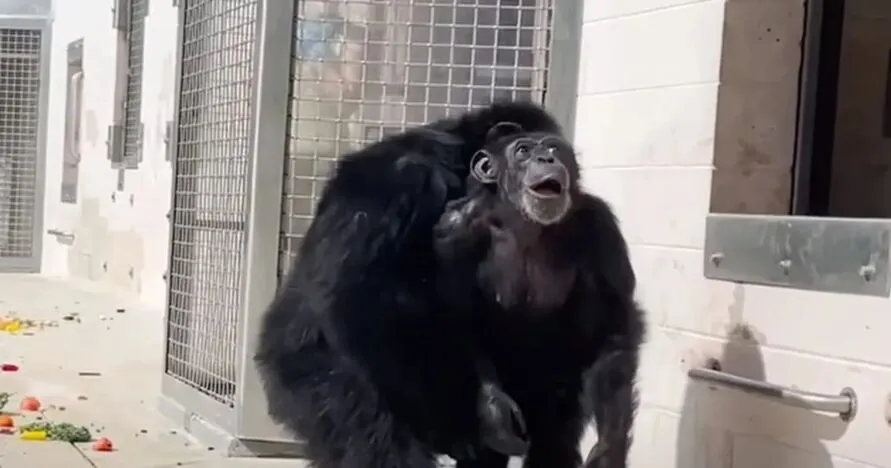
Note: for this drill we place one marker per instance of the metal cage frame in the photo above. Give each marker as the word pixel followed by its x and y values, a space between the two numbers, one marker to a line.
pixel 43 25
pixel 244 429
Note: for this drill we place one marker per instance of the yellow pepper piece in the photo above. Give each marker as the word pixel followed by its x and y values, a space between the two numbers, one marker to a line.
pixel 34 435
pixel 12 326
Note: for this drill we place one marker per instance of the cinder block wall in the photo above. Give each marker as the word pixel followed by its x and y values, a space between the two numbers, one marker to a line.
pixel 120 237
pixel 674 95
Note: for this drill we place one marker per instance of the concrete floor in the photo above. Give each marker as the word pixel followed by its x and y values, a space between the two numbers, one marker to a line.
pixel 91 365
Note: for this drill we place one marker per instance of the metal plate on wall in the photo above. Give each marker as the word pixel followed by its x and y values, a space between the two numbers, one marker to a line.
pixel 820 254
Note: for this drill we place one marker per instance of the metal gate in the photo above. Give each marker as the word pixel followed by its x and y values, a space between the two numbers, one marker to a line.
pixel 24 67
pixel 327 77
pixel 213 138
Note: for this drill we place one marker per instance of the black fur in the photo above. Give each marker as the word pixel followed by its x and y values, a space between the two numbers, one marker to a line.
pixel 557 313
pixel 357 356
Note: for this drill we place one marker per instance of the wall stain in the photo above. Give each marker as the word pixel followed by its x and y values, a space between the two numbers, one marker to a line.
pixel 90 128
pixel 737 330
pixel 98 253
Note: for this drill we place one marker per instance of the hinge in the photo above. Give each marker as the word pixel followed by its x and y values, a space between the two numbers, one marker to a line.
pixel 137 157
pixel 115 143
pixel 120 15
pixel 169 144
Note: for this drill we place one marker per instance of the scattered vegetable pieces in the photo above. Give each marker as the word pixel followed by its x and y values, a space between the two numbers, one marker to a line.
pixel 34 435
pixel 64 432
pixel 9 367
pixel 14 325
pixel 39 426
pixel 30 404
pixel 4 399
pixel 103 444
pixel 6 421
pixel 70 433
pixel 10 326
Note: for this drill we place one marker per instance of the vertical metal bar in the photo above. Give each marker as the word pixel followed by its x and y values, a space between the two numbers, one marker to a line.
pixel 807 97
pixel 260 280
pixel 541 48
pixel 561 96
pixel 71 154
pixel 174 142
pixel 43 114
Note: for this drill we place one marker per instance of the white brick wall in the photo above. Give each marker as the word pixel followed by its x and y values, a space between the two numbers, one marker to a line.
pixel 111 231
pixel 646 124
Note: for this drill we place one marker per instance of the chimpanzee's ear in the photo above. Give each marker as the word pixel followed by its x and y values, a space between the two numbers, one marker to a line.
pixel 482 167
pixel 503 129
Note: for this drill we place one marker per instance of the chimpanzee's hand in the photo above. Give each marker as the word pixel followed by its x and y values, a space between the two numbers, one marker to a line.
pixel 503 428
pixel 461 230
pixel 461 214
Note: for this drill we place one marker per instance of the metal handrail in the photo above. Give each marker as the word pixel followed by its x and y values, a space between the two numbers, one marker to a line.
pixel 60 233
pixel 844 404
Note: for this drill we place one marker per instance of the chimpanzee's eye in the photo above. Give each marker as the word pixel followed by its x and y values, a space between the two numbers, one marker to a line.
pixel 522 151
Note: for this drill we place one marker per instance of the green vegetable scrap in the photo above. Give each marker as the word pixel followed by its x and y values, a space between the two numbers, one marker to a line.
pixel 64 432
pixel 4 399
pixel 39 426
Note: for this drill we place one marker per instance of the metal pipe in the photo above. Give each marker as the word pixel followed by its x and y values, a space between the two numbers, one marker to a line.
pixel 844 404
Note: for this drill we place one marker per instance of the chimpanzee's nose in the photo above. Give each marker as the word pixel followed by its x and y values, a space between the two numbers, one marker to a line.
pixel 545 158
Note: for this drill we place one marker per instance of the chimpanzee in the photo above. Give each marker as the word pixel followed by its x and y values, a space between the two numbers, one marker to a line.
pixel 358 356
pixel 548 274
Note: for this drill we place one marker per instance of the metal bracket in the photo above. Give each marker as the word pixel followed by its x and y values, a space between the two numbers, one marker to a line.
pixel 134 161
pixel 821 254
pixel 115 144
pixel 65 235
pixel 76 51
pixel 120 14
pixel 168 141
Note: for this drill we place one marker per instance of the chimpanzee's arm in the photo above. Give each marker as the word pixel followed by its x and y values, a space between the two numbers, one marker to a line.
pixel 610 382
pixel 461 242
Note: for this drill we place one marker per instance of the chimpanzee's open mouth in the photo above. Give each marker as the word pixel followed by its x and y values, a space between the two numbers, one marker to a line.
pixel 547 188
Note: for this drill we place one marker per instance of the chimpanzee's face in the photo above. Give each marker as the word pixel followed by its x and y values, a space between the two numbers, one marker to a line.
pixel 536 172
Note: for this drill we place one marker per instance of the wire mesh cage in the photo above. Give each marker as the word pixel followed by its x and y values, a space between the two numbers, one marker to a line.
pixel 209 199
pixel 21 52
pixel 365 68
